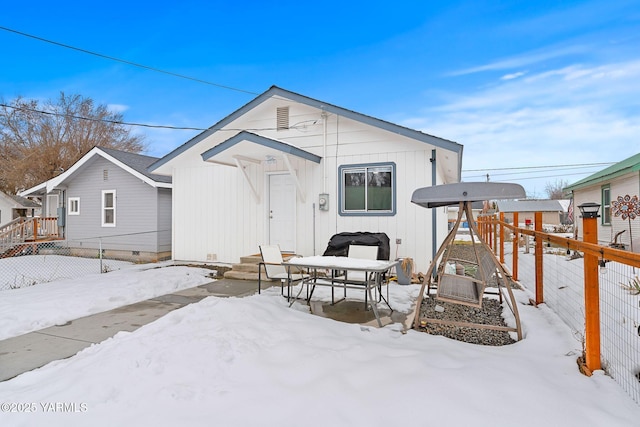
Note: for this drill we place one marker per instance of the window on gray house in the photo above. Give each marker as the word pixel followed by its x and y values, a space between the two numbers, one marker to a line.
pixel 606 205
pixel 108 208
pixel 74 205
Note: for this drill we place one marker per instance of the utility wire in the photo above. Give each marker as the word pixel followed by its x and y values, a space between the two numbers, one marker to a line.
pixel 549 176
pixel 541 169
pixel 146 67
pixel 299 125
pixel 94 119
pixel 536 167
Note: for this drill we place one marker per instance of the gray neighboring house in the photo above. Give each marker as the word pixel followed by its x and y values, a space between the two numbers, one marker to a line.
pixel 606 187
pixel 553 212
pixel 13 207
pixel 108 200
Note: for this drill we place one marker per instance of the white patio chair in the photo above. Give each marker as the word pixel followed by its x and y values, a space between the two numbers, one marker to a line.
pixel 357 278
pixel 274 270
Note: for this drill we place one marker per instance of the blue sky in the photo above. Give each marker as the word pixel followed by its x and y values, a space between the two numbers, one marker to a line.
pixel 519 84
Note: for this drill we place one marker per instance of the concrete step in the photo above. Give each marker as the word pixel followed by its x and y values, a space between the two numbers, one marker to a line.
pixel 247 268
pixel 251 259
pixel 244 275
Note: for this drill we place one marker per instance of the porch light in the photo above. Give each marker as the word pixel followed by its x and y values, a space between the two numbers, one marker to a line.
pixel 603 266
pixel 589 210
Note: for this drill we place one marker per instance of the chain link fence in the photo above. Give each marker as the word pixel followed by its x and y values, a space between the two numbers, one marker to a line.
pixel 31 263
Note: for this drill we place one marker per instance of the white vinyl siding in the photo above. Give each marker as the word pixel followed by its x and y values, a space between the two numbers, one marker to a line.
pixel 108 208
pixel 218 217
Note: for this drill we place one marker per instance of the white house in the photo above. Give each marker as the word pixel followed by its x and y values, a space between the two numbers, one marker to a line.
pixel 605 188
pixel 291 170
pixel 13 206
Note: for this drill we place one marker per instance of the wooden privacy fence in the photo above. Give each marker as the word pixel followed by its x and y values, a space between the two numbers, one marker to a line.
pixel 502 236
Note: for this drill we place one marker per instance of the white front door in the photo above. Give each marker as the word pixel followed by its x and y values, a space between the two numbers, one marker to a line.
pixel 282 212
pixel 52 205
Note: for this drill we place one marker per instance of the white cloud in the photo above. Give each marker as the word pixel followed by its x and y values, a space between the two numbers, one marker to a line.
pixel 528 58
pixel 513 75
pixel 574 114
pixel 117 108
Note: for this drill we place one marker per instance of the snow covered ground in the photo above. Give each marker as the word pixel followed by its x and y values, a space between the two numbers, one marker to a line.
pixel 255 361
pixel 35 307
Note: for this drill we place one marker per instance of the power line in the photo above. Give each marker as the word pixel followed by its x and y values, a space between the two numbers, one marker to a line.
pixel 124 61
pixel 542 169
pixel 537 167
pixel 94 119
pixel 299 125
pixel 550 176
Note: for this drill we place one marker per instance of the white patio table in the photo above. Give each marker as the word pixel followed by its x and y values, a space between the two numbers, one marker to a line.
pixel 374 272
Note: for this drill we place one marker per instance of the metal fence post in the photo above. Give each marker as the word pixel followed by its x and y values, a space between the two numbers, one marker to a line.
pixel 100 256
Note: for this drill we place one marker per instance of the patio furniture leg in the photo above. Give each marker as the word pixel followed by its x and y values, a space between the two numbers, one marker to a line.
pixel 374 306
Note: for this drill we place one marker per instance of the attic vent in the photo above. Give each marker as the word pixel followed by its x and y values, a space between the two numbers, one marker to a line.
pixel 282 118
pixel 105 175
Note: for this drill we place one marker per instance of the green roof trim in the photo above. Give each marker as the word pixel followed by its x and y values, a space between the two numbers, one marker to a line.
pixel 632 164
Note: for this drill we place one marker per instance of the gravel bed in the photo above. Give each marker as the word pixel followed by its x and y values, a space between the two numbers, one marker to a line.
pixel 490 313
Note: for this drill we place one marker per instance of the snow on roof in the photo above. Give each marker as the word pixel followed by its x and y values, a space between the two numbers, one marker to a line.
pixel 529 206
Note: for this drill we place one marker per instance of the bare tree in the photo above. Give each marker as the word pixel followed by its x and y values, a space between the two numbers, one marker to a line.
pixel 555 190
pixel 40 140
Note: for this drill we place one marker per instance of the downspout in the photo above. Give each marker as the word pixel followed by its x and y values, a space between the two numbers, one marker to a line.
pixel 434 211
pixel 324 151
pixel 314 229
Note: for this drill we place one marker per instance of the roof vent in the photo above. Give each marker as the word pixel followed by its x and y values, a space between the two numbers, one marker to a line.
pixel 105 174
pixel 282 118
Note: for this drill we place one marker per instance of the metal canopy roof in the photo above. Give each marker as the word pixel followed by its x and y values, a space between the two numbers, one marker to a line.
pixel 453 194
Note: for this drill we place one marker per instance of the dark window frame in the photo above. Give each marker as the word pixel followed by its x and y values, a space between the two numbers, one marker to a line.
pixel 606 204
pixel 343 211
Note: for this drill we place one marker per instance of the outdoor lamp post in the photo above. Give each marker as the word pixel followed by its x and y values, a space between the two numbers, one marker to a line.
pixel 589 210
pixel 590 215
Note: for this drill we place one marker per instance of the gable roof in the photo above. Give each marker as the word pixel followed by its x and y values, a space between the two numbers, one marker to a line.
pixel 20 202
pixel 275 91
pixel 138 162
pixel 135 164
pixel 631 164
pixel 508 206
